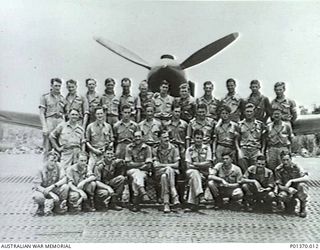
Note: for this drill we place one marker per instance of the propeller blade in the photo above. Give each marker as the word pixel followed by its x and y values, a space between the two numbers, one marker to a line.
pixel 123 52
pixel 209 51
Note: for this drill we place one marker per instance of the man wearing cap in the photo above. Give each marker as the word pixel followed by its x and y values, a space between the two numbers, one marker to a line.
pixel 225 133
pixel 286 105
pixel 126 98
pixel 233 100
pixel 166 165
pixel 291 181
pixel 99 137
pixel 186 102
pixel 68 139
pixel 50 187
pixel 224 182
pixel 279 137
pixel 93 98
pixel 110 102
pixel 163 102
pixel 261 102
pixel 52 111
pixel 124 131
pixel 75 101
pixel 251 139
pixel 143 99
pixel 139 162
pixel 211 102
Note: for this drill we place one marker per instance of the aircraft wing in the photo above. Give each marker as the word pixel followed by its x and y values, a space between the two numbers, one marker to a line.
pixel 307 124
pixel 23 119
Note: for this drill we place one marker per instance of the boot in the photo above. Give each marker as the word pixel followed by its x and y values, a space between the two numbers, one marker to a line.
pixel 303 212
pixel 106 203
pixel 176 201
pixel 40 210
pixel 136 206
pixel 89 205
pixel 166 208
pixel 113 205
pixel 145 197
pixel 290 206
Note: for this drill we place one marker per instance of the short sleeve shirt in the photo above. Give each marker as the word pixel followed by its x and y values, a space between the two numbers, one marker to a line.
pixel 207 126
pixel 167 155
pixel 232 175
pixel 234 102
pixel 93 102
pixel 99 135
pixel 226 133
pixel 46 177
pixel 53 105
pixel 105 171
pixel 263 175
pixel 251 133
pixel 123 132
pixel 128 100
pixel 283 175
pixel 141 102
pixel 178 131
pixel 212 106
pixel 138 153
pixel 150 130
pixel 76 175
pixel 188 108
pixel 162 105
pixel 262 106
pixel 287 107
pixel 279 135
pixel 77 102
pixel 110 103
pixel 193 154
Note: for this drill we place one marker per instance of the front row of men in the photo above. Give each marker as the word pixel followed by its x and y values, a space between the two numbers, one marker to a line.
pixel 80 187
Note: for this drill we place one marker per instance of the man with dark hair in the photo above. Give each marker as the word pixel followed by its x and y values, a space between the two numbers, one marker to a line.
pixel 198 160
pixel 75 101
pixel 211 102
pixel 225 133
pixel 166 165
pixel 291 181
pixel 139 162
pixel 279 138
pixel 258 185
pixel 126 98
pixel 110 102
pixel 233 100
pixel 186 102
pixel 93 98
pixel 143 99
pixel 286 105
pixel 251 139
pixel 224 181
pixel 99 137
pixel 261 102
pixel 52 111
pixel 124 131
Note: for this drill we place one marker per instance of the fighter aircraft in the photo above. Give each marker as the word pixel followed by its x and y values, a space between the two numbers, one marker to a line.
pixel 172 71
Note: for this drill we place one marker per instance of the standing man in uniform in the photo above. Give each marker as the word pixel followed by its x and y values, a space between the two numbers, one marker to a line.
pixel 110 102
pixel 225 134
pixel 126 98
pixel 143 99
pixel 279 138
pixel 52 111
pixel 186 102
pixel 286 105
pixel 75 101
pixel 198 160
pixel 124 132
pixel 166 166
pixel 261 102
pixel 51 184
pixel 99 137
pixel 163 103
pixel 139 162
pixel 93 98
pixel 224 181
pixel 291 181
pixel 233 100
pixel 68 139
pixel 211 102
pixel 251 139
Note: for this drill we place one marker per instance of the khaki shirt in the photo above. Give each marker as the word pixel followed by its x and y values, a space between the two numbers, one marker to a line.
pixel 178 132
pixel 99 135
pixel 283 175
pixel 263 175
pixel 212 106
pixel 141 103
pixel 105 171
pixel 79 103
pixel 53 105
pixel 138 153
pixel 188 107
pixel 251 134
pixel 162 105
pixel 69 136
pixel 46 177
pixel 123 132
pixel 279 135
pixel 226 133
pixel 288 108
pixel 235 103
pixel 193 154
pixel 262 106
pixel 207 126
pixel 127 100
pixel 75 175
pixel 110 103
pixel 150 131
pixel 232 175
pixel 93 102
pixel 167 155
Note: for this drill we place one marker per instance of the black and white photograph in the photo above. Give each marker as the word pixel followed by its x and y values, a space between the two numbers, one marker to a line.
pixel 159 122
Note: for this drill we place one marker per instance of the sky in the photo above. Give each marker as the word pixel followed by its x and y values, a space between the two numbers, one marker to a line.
pixel 39 40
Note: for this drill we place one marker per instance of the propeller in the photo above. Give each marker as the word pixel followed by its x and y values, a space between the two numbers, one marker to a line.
pixel 123 52
pixel 209 51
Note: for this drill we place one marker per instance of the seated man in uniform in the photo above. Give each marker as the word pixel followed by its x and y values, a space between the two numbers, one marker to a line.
pixel 198 160
pixel 110 180
pixel 166 165
pixel 139 162
pixel 258 185
pixel 224 182
pixel 51 184
pixel 291 181
pixel 82 186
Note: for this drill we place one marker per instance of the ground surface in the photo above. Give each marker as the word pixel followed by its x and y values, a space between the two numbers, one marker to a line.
pixel 18 225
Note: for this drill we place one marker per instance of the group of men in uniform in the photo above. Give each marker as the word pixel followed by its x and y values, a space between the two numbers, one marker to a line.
pixel 237 148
